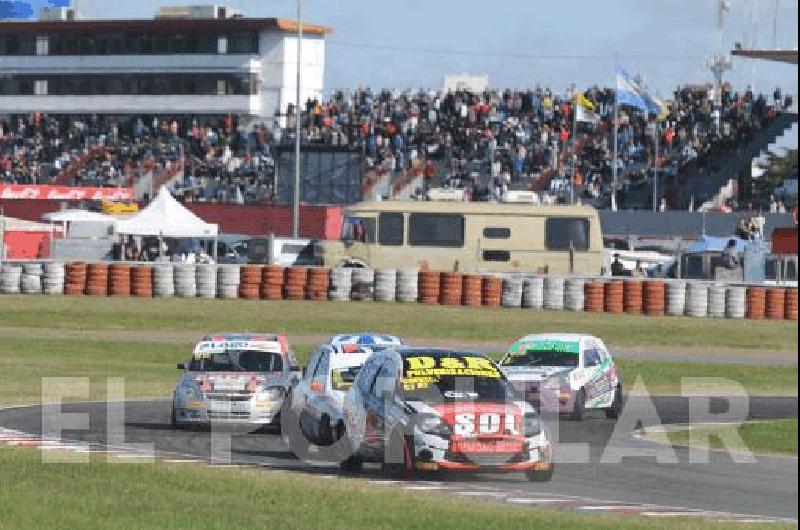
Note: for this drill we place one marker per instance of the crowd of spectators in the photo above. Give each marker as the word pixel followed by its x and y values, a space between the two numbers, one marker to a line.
pixel 485 143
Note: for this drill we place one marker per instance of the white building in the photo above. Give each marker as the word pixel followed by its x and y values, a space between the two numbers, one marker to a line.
pixel 190 60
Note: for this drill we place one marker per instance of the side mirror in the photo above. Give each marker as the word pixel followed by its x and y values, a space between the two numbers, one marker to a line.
pixel 181 366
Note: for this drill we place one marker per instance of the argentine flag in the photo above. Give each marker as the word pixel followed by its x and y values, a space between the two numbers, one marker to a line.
pixel 27 9
pixel 630 93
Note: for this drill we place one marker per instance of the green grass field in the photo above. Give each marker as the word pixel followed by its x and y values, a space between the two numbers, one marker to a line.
pixel 778 436
pixel 409 320
pixel 101 495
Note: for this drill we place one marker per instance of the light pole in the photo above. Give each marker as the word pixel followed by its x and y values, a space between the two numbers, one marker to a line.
pixel 298 128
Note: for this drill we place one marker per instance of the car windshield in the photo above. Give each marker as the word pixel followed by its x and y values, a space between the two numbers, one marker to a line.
pixel 534 357
pixel 453 377
pixel 238 361
pixel 342 378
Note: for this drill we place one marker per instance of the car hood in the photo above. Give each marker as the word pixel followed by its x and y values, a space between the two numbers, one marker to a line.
pixel 534 373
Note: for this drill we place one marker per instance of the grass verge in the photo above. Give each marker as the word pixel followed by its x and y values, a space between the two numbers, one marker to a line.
pixel 161 495
pixel 779 436
pixel 149 369
pixel 411 320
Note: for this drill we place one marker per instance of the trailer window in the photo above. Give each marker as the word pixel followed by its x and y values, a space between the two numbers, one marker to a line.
pixel 561 231
pixel 359 229
pixel 496 255
pixel 390 229
pixel 435 230
pixel 496 233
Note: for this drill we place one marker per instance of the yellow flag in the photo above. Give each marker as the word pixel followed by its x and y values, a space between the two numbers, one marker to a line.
pixel 585 102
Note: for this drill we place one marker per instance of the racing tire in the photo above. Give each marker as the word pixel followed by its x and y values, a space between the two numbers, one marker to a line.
pixel 579 407
pixel 541 475
pixel 615 409
pixel 173 419
pixel 402 465
pixel 325 431
pixel 351 464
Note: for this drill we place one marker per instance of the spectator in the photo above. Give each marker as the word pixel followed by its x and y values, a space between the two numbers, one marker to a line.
pixel 730 258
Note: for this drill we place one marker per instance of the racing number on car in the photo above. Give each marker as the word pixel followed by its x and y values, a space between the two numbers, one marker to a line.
pixel 467 424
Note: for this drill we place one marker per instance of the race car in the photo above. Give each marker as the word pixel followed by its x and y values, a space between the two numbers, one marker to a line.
pixel 237 378
pixel 565 373
pixel 426 409
pixel 316 400
pixel 374 341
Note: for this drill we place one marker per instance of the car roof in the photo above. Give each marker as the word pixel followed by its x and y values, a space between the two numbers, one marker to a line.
pixel 366 339
pixel 567 337
pixel 242 336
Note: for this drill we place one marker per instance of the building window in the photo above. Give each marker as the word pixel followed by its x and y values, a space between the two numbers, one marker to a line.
pixel 222 45
pixel 563 233
pixel 435 230
pixel 496 233
pixel 390 229
pixel 222 87
pixel 40 87
pixel 496 255
pixel 42 45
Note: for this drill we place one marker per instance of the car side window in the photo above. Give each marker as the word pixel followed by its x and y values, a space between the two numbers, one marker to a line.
pixel 385 378
pixel 366 376
pixel 312 365
pixel 322 366
pixel 592 358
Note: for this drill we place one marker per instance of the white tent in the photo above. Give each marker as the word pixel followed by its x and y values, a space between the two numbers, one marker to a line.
pixel 77 216
pixel 166 217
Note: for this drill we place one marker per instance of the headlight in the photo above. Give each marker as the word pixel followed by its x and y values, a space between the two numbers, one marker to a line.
pixel 532 425
pixel 270 394
pixel 432 424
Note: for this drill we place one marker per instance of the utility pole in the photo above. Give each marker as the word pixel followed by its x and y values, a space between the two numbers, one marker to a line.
pixel 298 126
pixel 720 62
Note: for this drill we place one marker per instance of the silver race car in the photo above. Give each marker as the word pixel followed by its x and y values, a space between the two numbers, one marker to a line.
pixel 235 378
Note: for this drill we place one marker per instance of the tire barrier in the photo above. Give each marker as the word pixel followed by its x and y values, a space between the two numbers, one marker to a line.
pixel 512 292
pixel 697 299
pixel 472 290
pixel 206 280
pixel 791 304
pixel 296 281
pixel 363 289
pixel 735 302
pixel 614 295
pixel 31 281
pixel 775 307
pixel 341 285
pixel 429 287
pixel 574 294
pixel 11 279
pixel 492 291
pixel 717 295
pixel 385 285
pixel 676 298
pixel 317 287
pixel 451 288
pixel 75 278
pixel 163 281
pixel 142 281
pixel 97 279
pixel 185 276
pixel 594 297
pixel 54 277
pixel 228 277
pixel 533 292
pixel 554 293
pixel 250 283
pixel 407 284
pixel 756 303
pixel 272 278
pixel 633 297
pixel 653 298
pixel 119 279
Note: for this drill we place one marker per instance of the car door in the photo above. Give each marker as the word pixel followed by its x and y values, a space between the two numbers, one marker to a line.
pixel 318 388
pixel 304 392
pixel 373 413
pixel 382 397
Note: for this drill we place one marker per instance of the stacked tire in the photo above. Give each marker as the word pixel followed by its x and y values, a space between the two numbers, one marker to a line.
pixel 429 287
pixel 31 282
pixel 633 297
pixel 341 285
pixel 228 277
pixel 206 280
pixel 295 286
pixel 594 297
pixel 654 298
pixel 614 292
pixel 119 279
pixel 471 290
pixel 75 278
pixel 775 304
pixel 142 281
pixel 676 298
pixel 250 282
pixel 317 287
pixel 407 284
pixel 533 292
pixel 54 277
pixel 756 303
pixel 735 302
pixel 164 281
pixel 10 279
pixel 791 304
pixel 554 293
pixel 697 299
pixel 363 289
pixel 574 295
pixel 717 294
pixel 512 292
pixel 451 288
pixel 385 285
pixel 97 279
pixel 272 279
pixel 492 291
pixel 185 276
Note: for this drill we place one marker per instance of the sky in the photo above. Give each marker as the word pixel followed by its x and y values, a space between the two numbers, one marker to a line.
pixel 519 44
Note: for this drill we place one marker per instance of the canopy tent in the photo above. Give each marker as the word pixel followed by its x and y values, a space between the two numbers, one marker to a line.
pixel 166 217
pixel 77 216
pixel 716 244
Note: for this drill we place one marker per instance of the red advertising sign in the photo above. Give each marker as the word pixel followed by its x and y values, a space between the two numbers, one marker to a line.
pixel 64 193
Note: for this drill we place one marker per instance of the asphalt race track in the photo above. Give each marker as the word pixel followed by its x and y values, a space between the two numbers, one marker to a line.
pixel 766 487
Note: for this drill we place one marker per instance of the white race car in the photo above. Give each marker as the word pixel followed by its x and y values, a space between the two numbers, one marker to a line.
pixel 373 341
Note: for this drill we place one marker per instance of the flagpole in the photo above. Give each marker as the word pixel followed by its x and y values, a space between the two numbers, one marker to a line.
pixel 657 138
pixel 574 139
pixel 616 141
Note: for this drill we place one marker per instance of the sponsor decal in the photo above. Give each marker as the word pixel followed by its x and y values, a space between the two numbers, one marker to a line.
pixel 204 349
pixel 64 193
pixel 553 345
pixel 423 371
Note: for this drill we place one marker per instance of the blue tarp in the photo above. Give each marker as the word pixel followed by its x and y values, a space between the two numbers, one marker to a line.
pixel 716 244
